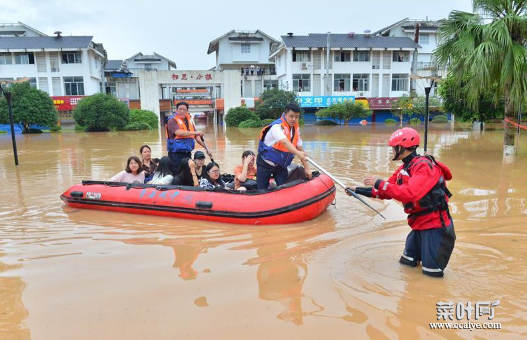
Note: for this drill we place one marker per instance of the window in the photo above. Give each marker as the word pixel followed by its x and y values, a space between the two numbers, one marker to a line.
pixel 342 56
pixel 361 56
pixel 424 39
pixel 72 58
pixel 24 58
pixel 342 82
pixel 399 82
pixel 401 57
pixel 111 88
pixel 360 82
pixel 246 48
pixel 148 66
pixel 301 82
pixel 5 59
pixel 301 56
pixel 74 86
pixel 270 84
pixel 33 82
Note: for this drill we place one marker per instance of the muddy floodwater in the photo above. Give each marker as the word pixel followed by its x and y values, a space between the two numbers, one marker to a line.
pixel 84 274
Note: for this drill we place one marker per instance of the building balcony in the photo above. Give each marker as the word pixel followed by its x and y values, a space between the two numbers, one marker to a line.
pixel 426 66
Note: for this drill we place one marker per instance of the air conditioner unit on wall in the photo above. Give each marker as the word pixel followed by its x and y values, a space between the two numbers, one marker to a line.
pixel 303 65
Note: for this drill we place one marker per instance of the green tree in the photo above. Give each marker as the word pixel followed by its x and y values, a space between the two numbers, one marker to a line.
pixel 344 112
pixel 272 103
pixel 403 106
pixel 30 107
pixel 144 116
pixel 456 104
pixel 239 114
pixel 101 112
pixel 486 49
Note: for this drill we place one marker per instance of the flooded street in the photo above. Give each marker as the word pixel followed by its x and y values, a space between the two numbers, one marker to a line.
pixel 84 274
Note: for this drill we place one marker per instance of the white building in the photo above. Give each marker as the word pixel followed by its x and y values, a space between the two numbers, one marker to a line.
pixel 248 53
pixel 58 65
pixel 121 75
pixel 359 65
pixel 427 37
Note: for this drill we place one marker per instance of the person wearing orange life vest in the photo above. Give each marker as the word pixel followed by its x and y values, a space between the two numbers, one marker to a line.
pixel 182 135
pixel 279 143
pixel 420 184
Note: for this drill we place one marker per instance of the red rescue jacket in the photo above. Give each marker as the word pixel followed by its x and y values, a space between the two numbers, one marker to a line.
pixel 421 186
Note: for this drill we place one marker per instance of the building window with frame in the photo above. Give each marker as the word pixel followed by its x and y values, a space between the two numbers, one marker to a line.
pixel 246 48
pixel 33 82
pixel 74 86
pixel 6 59
pixel 399 82
pixel 361 82
pixel 71 57
pixel 301 56
pixel 342 82
pixel 361 56
pixel 342 56
pixel 424 39
pixel 24 58
pixel 270 84
pixel 111 88
pixel 401 56
pixel 301 82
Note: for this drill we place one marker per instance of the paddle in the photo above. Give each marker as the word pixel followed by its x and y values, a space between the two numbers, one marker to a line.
pixel 349 191
pixel 206 148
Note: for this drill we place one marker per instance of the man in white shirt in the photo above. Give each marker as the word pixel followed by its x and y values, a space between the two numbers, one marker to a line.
pixel 279 143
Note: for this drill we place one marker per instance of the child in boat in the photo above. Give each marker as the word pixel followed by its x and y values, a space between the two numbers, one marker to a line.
pixel 211 178
pixel 132 174
pixel 186 174
pixel 245 173
pixel 163 174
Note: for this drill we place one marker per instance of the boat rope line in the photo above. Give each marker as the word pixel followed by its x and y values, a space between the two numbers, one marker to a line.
pixel 515 124
pixel 194 211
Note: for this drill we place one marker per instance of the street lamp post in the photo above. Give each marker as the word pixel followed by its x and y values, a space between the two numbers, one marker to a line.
pixel 427 113
pixel 7 96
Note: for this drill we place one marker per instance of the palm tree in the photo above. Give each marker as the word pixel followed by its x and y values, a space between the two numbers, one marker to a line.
pixel 487 49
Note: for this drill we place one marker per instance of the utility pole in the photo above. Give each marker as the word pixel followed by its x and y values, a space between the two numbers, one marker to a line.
pixel 427 94
pixel 414 61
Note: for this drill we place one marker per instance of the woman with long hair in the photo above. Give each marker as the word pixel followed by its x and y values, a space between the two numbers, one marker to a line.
pixel 186 174
pixel 163 174
pixel 211 178
pixel 132 174
pixel 148 164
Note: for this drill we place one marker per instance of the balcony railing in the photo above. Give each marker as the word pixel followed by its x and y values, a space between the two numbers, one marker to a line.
pixel 426 66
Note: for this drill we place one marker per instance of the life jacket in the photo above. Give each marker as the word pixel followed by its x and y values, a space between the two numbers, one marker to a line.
pixel 278 153
pixel 436 199
pixel 181 143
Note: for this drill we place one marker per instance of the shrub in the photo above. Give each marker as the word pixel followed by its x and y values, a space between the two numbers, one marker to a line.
pixel 239 114
pixel 390 121
pixel 101 112
pixel 2 132
pixel 79 127
pixel 440 119
pixel 326 122
pixel 415 121
pixel 272 103
pixel 55 128
pixel 144 116
pixel 267 121
pixel 250 123
pixel 30 107
pixel 32 130
pixel 136 126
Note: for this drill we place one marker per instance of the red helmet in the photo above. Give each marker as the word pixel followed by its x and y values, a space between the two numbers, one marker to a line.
pixel 406 137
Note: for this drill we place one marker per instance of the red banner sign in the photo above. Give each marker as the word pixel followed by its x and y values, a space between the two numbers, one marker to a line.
pixel 381 103
pixel 66 103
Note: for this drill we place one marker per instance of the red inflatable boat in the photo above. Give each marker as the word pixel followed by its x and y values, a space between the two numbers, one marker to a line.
pixel 294 202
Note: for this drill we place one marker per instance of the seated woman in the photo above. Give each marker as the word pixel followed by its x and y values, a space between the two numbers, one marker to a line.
pixel 186 174
pixel 148 164
pixel 132 174
pixel 245 174
pixel 199 159
pixel 163 174
pixel 211 178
